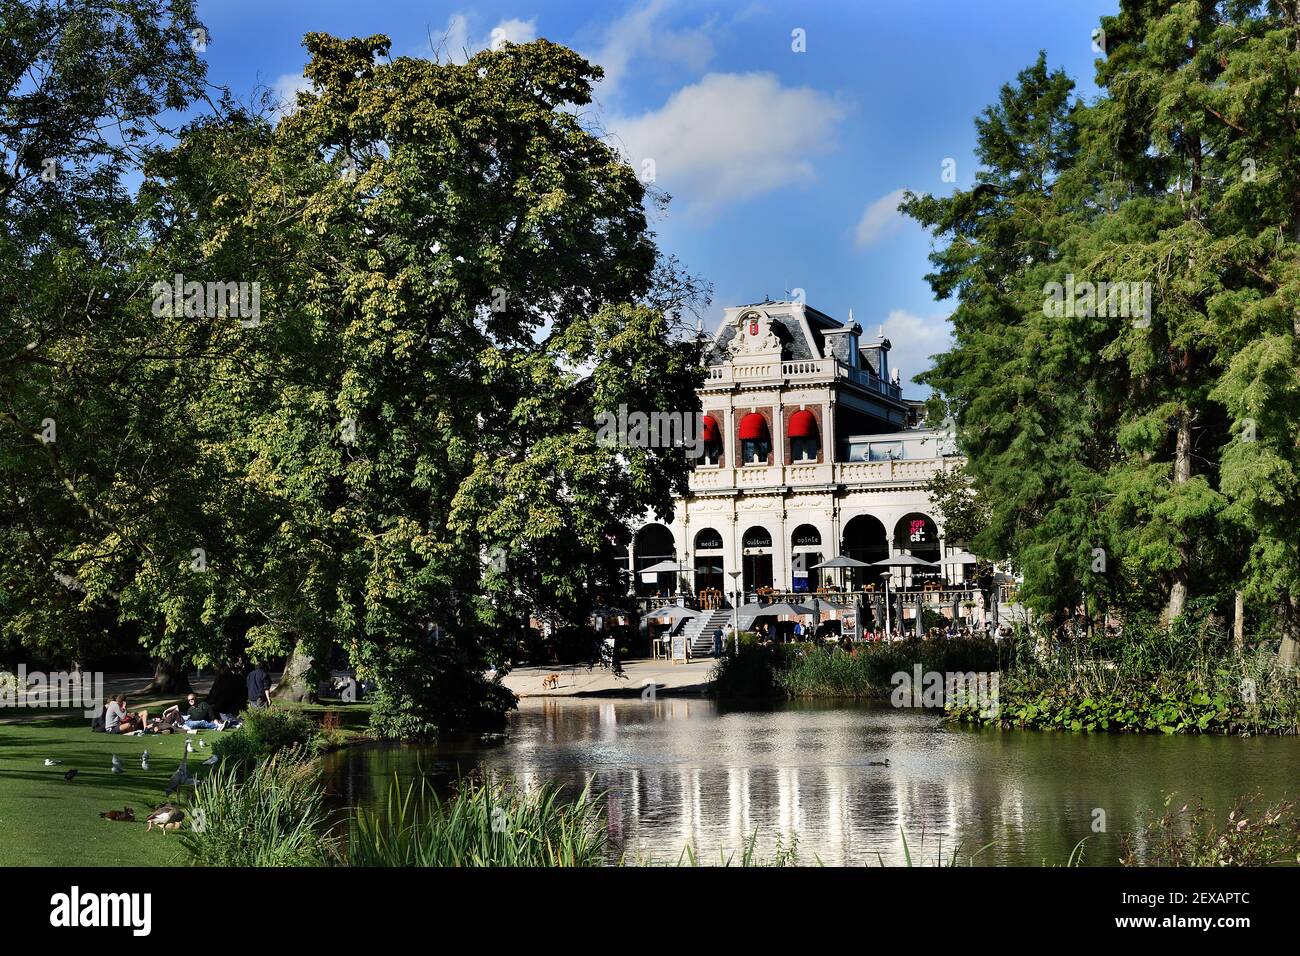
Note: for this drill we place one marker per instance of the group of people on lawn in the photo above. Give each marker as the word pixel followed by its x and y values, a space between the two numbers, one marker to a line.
pixel 188 715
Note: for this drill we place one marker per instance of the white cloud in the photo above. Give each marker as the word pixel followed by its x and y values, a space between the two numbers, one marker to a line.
pixel 880 219
pixel 285 92
pixel 639 31
pixel 457 45
pixel 730 137
pixel 914 339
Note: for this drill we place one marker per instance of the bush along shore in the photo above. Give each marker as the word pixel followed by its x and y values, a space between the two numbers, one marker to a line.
pixel 1150 680
pixel 1170 681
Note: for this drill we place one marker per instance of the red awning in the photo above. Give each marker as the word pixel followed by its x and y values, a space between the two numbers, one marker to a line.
pixel 803 424
pixel 753 427
pixel 711 432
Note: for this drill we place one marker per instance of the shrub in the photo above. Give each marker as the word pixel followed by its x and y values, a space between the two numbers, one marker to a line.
pixel 482 824
pixel 265 731
pixel 272 817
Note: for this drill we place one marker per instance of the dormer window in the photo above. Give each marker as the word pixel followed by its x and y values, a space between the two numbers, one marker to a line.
pixel 755 440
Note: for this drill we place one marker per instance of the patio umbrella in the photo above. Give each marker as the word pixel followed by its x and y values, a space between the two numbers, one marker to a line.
pixel 674 612
pixel 842 563
pixel 663 567
pixel 775 610
pixel 900 561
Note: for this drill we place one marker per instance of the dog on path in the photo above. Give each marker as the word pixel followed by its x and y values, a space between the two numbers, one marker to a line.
pixel 551 680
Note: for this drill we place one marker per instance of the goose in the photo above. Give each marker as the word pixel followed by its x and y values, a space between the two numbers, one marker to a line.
pixel 117 765
pixel 163 816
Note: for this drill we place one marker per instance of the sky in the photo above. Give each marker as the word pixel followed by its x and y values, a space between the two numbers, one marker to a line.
pixel 785 132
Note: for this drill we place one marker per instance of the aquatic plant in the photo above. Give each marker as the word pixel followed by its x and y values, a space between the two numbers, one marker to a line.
pixel 484 823
pixel 273 816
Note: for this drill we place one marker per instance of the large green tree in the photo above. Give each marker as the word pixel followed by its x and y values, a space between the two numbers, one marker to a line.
pixel 1165 441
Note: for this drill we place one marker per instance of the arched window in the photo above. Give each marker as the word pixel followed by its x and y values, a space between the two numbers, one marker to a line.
pixel 804 441
pixel 806 553
pixel 755 440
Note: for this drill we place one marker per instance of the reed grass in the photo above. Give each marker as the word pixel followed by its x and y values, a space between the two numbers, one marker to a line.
pixel 482 824
pixel 270 815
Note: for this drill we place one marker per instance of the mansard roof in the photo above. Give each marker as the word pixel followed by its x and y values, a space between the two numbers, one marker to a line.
pixel 785 324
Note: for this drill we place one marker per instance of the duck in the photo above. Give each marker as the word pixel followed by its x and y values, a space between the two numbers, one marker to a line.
pixel 878 763
pixel 164 816
pixel 125 815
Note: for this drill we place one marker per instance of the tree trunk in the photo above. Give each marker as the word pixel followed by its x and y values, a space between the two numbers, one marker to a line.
pixel 1182 475
pixel 1239 620
pixel 169 677
pixel 1288 653
pixel 296 682
pixel 228 694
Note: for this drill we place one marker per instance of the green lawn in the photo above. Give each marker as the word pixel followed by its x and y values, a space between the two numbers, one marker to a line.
pixel 47 821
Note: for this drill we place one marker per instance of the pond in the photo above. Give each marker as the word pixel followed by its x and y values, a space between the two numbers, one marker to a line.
pixel 685 772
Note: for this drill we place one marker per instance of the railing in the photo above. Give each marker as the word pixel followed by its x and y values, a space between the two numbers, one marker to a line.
pixel 827 473
pixel 833 599
pixel 800 369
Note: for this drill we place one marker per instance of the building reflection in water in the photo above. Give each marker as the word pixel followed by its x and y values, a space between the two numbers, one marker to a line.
pixel 679 773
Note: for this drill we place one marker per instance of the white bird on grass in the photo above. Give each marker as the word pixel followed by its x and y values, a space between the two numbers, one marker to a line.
pixel 51 762
pixel 117 765
pixel 144 760
pixel 189 747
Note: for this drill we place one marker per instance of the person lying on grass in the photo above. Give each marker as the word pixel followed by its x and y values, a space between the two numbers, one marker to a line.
pixel 118 721
pixel 197 716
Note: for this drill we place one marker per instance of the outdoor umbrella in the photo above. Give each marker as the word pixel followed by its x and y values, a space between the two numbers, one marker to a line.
pixel 841 562
pixel 674 613
pixel 777 610
pixel 899 561
pixel 663 567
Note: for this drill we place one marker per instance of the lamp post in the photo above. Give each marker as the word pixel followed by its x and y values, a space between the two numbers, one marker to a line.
pixel 735 608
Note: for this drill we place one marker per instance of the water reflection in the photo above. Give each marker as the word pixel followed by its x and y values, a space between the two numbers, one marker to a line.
pixel 681 772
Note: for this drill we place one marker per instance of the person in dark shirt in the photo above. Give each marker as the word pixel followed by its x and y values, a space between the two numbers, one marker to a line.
pixel 259 687
pixel 194 716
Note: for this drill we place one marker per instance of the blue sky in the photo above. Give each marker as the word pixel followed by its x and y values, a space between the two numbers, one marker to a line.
pixel 784 166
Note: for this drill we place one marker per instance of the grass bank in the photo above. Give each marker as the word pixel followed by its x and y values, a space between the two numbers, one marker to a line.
pixel 811 671
pixel 1179 682
pixel 47 821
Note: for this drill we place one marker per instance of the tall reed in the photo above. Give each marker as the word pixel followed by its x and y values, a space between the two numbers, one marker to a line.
pixel 481 824
pixel 273 816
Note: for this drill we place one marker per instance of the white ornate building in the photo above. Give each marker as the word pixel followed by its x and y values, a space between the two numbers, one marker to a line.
pixel 811 452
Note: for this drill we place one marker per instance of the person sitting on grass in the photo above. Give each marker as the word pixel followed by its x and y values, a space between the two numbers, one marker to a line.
pixel 118 721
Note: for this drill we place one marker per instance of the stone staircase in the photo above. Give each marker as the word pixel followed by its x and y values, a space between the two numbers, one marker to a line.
pixel 699 630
